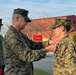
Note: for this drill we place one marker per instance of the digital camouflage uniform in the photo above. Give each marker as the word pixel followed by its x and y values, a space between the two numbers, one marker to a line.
pixel 1 52
pixel 65 54
pixel 65 57
pixel 20 52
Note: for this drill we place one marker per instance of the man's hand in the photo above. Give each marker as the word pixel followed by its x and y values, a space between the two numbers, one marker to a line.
pixel 51 47
pixel 45 42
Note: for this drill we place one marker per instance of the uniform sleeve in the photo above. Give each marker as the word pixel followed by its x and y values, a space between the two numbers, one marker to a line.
pixel 67 51
pixel 23 51
pixel 37 45
pixel 72 50
pixel 32 44
pixel 1 38
pixel 68 48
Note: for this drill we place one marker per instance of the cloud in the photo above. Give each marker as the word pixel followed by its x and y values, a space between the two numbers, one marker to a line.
pixel 37 8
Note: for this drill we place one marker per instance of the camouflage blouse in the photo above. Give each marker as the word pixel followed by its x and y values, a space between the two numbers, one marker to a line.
pixel 65 57
pixel 20 52
pixel 1 52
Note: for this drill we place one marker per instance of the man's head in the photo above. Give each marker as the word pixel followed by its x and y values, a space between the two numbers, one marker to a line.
pixel 23 13
pixel 20 18
pixel 62 22
pixel 1 22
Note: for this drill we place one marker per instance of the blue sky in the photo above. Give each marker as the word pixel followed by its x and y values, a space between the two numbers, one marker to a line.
pixel 37 8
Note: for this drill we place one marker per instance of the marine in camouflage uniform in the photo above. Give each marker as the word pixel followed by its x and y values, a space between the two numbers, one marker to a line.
pixel 20 51
pixel 65 54
pixel 1 49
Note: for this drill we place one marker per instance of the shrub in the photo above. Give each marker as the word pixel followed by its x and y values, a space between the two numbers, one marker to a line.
pixel 74 37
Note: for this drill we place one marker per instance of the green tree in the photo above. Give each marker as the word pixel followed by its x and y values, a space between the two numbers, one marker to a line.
pixel 74 37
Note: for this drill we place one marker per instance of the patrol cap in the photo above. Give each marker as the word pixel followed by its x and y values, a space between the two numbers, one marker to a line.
pixel 61 22
pixel 23 13
pixel 1 22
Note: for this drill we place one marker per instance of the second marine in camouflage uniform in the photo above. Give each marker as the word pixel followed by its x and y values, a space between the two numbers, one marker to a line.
pixel 65 57
pixel 65 54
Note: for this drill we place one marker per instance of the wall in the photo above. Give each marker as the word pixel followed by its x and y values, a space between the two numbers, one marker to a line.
pixel 42 26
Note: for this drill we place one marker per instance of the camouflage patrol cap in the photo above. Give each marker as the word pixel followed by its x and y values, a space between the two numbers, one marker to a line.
pixel 1 22
pixel 23 13
pixel 61 22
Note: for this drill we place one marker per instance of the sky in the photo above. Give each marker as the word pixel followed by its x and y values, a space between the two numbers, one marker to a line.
pixel 37 8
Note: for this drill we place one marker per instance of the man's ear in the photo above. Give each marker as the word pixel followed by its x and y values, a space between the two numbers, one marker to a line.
pixel 62 27
pixel 17 18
